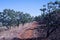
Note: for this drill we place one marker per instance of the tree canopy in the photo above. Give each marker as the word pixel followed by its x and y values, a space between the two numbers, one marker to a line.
pixel 10 17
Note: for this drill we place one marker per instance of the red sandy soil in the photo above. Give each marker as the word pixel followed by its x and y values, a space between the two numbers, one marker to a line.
pixel 22 32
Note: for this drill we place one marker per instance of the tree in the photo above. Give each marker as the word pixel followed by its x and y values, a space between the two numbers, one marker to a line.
pixel 37 18
pixel 51 18
pixel 14 18
pixel 43 10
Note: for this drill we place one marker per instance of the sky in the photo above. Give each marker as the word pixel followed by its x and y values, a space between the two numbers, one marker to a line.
pixel 27 6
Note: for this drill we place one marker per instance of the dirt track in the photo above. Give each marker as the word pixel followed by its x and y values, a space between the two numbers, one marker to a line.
pixel 23 31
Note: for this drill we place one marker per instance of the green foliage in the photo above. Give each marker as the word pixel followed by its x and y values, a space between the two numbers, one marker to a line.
pixel 10 17
pixel 51 17
pixel 37 18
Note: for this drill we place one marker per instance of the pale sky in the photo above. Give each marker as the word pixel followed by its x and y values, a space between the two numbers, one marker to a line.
pixel 27 6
